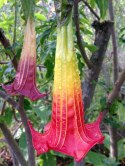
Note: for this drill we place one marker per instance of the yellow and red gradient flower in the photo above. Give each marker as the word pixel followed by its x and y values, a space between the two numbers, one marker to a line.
pixel 25 80
pixel 67 132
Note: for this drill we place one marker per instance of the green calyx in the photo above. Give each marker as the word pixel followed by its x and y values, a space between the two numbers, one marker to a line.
pixel 64 11
pixel 28 9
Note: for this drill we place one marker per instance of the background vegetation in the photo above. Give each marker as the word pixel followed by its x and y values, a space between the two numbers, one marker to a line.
pixel 98 81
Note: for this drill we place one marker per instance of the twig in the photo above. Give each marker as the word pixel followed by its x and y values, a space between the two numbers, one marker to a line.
pixel 14 115
pixel 78 35
pixel 17 128
pixel 3 108
pixel 13 144
pixel 14 159
pixel 7 98
pixel 24 121
pixel 114 94
pixel 114 42
pixel 5 42
pixel 91 10
pixel 15 22
pixel 31 152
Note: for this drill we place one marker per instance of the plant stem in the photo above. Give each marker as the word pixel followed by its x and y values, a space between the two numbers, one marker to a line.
pixel 112 130
pixel 14 159
pixel 15 22
pixel 114 43
pixel 13 145
pixel 31 152
pixel 78 35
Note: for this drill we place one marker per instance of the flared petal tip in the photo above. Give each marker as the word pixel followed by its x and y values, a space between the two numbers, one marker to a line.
pixel 30 126
pixel 33 96
pixel 9 89
pixel 37 97
pixel 102 140
pixel 39 141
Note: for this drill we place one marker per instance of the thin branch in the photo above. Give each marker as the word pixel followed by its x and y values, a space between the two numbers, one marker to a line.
pixel 115 92
pixel 7 98
pixel 15 22
pixel 114 42
pixel 18 125
pixel 78 35
pixel 14 115
pixel 14 159
pixel 24 121
pixel 5 42
pixel 3 108
pixel 91 10
pixel 11 142
pixel 116 89
pixel 31 152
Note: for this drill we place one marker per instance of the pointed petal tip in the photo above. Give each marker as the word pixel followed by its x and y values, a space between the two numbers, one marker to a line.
pixel 39 96
pixel 33 97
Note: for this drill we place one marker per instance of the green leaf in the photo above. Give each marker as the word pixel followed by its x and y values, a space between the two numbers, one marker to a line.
pixel 8 116
pixel 103 103
pixel 40 17
pixel 92 3
pixel 96 159
pixel 85 21
pixel 113 107
pixel 28 8
pixel 49 63
pixel 2 119
pixel 111 162
pixel 45 35
pixel 107 141
pixel 80 64
pixel 71 164
pixel 91 47
pixel 48 158
pixel 86 31
pixel 121 149
pixel 121 113
pixel 23 145
pixel 27 105
pixel 103 7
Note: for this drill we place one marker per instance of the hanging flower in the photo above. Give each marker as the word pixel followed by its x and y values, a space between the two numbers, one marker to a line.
pixel 67 133
pixel 25 80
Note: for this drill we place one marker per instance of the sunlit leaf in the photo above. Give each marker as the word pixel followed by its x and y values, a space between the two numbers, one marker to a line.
pixel 2 2
pixel 103 7
pixel 40 16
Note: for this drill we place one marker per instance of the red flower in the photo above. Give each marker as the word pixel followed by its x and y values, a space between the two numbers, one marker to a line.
pixel 25 80
pixel 67 132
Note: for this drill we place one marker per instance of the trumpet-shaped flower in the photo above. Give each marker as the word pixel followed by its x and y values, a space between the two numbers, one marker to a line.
pixel 67 133
pixel 25 80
